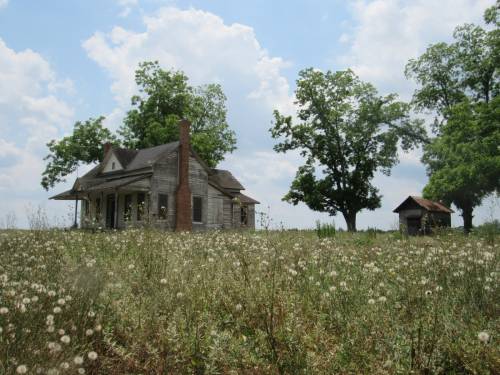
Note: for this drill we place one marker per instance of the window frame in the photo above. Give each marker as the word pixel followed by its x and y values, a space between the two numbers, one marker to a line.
pixel 244 215
pixel 139 214
pixel 200 199
pixel 127 210
pixel 97 208
pixel 162 215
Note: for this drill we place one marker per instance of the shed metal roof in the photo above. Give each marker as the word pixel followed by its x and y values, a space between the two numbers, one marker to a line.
pixel 426 204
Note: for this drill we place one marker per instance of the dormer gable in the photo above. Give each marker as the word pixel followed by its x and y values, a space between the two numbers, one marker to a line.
pixel 111 163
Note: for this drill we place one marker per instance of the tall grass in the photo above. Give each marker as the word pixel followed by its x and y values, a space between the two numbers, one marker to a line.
pixel 147 302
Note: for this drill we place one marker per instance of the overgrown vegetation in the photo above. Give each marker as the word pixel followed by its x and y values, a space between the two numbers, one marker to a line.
pixel 145 302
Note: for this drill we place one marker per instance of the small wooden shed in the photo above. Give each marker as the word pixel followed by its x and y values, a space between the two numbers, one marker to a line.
pixel 418 215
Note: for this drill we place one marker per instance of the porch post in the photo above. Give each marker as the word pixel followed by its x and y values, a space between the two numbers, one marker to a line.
pixel 75 224
pixel 116 210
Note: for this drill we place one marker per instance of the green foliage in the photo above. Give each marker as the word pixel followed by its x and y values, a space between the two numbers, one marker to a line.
pixel 461 82
pixel 347 131
pixel 84 146
pixel 325 230
pixel 165 98
pixel 464 161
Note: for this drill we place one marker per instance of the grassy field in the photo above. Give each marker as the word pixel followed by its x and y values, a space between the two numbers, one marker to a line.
pixel 144 302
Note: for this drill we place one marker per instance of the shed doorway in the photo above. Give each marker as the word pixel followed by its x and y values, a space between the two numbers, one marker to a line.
pixel 413 224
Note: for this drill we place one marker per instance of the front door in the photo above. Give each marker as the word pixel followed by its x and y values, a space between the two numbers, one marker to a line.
pixel 110 211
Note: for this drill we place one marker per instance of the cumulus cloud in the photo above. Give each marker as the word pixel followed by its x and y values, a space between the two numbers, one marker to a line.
pixel 384 35
pixel 207 50
pixel 126 7
pixel 387 33
pixel 32 112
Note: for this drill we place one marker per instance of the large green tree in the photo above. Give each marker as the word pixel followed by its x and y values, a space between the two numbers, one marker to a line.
pixel 460 82
pixel 346 132
pixel 84 146
pixel 464 160
pixel 164 98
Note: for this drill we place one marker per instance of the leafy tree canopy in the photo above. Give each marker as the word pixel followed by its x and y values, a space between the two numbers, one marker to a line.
pixel 464 161
pixel 347 131
pixel 164 98
pixel 84 146
pixel 461 82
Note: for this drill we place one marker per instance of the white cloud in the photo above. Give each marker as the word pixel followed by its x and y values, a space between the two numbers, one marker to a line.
pixel 205 48
pixel 126 6
pixel 3 3
pixel 32 112
pixel 387 33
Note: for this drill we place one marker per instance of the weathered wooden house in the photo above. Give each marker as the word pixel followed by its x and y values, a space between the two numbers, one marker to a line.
pixel 418 215
pixel 167 186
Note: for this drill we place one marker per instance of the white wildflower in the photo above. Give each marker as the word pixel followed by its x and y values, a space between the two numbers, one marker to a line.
pixel 92 356
pixel 65 339
pixel 78 360
pixel 483 337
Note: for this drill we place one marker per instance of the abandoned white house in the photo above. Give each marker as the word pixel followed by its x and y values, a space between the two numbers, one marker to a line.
pixel 418 215
pixel 166 186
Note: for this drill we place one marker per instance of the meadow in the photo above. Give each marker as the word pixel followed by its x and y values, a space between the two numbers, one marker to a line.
pixel 267 302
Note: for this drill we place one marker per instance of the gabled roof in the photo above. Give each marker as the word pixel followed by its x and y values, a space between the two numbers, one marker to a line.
pixel 225 179
pixel 147 156
pixel 125 155
pixel 425 204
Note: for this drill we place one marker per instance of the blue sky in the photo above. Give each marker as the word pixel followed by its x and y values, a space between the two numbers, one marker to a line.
pixel 64 61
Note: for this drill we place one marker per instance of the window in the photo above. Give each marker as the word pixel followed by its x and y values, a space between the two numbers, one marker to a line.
pixel 244 215
pixel 113 165
pixel 127 212
pixel 141 206
pixel 162 206
pixel 98 208
pixel 86 207
pixel 197 206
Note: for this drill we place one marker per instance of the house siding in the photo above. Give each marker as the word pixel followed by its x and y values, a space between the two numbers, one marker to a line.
pixel 218 209
pixel 198 183
pixel 215 209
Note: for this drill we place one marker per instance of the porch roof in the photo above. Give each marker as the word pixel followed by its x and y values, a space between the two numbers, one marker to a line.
pixel 116 183
pixel 245 199
pixel 68 195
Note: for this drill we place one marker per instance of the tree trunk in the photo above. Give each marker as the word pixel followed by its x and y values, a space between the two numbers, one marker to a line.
pixel 350 219
pixel 467 216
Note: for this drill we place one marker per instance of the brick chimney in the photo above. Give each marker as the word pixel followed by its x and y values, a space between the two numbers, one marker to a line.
pixel 183 221
pixel 106 147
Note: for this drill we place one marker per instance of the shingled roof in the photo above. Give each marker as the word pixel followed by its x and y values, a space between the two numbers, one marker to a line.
pixel 425 204
pixel 225 179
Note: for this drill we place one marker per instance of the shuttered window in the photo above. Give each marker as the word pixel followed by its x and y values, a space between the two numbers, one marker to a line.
pixel 197 209
pixel 141 206
pixel 162 206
